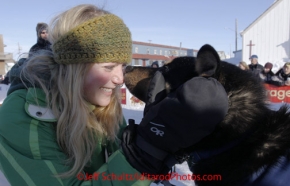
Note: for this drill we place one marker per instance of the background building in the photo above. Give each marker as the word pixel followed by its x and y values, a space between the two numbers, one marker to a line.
pixel 6 59
pixel 144 54
pixel 236 58
pixel 268 36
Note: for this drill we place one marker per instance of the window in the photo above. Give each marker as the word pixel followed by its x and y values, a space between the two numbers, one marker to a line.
pixel 136 62
pixel 160 52
pixel 155 51
pixel 148 51
pixel 136 49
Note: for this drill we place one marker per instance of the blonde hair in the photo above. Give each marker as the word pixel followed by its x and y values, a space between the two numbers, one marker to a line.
pixel 78 128
pixel 244 64
pixel 287 64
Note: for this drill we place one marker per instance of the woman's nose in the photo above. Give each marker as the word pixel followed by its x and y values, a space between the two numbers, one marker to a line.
pixel 118 77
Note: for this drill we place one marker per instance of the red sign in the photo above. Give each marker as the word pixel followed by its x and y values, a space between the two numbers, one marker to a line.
pixel 123 96
pixel 278 94
pixel 275 94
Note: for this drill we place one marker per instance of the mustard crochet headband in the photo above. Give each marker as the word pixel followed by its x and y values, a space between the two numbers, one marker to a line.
pixel 98 40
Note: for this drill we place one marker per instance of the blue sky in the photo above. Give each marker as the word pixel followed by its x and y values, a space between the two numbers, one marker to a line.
pixel 169 22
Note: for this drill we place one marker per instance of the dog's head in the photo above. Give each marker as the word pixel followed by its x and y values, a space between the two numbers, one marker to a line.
pixel 176 72
pixel 247 95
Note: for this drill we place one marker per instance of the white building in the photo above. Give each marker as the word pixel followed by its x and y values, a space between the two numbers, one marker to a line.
pixel 269 34
pixel 236 59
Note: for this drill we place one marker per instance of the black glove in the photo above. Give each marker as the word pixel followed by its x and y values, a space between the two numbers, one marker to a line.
pixel 139 159
pixel 173 122
pixel 184 116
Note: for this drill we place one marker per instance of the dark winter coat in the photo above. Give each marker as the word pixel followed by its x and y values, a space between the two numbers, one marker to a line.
pixel 40 45
pixel 280 77
pixel 155 63
pixel 256 69
pixel 5 80
pixel 276 175
pixel 268 78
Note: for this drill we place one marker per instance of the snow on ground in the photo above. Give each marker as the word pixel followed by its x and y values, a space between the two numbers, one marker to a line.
pixel 276 106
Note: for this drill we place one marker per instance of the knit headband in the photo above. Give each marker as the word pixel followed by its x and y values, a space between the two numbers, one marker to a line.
pixel 99 40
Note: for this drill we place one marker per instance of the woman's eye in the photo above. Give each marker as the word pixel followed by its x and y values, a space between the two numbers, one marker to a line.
pixel 109 67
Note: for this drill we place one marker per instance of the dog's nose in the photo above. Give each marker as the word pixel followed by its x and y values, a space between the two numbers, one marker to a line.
pixel 129 69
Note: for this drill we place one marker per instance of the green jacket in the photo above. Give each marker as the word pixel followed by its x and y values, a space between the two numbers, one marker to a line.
pixel 30 154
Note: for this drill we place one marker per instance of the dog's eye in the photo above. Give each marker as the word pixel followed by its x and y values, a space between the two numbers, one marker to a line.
pixel 124 67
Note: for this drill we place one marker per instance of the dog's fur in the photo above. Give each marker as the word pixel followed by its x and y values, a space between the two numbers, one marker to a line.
pixel 261 136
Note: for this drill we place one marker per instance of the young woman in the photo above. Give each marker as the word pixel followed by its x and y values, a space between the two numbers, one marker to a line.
pixel 62 118
pixel 243 65
pixel 282 76
pixel 62 122
pixel 267 74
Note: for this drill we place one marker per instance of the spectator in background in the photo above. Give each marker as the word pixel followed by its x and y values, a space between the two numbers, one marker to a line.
pixel 42 39
pixel 243 65
pixel 6 79
pixel 266 74
pixel 282 77
pixel 255 67
pixel 155 64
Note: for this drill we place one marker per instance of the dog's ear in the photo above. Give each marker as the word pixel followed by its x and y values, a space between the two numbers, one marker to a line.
pixel 207 61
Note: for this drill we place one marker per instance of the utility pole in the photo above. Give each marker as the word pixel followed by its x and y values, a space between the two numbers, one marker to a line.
pixel 180 48
pixel 19 48
pixel 236 34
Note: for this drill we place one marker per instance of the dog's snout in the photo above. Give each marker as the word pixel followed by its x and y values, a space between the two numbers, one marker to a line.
pixel 129 69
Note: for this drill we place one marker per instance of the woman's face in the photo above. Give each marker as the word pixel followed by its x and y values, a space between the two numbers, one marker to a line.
pixel 266 70
pixel 242 67
pixel 101 80
pixel 286 69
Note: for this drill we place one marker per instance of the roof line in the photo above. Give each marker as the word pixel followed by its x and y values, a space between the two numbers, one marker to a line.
pixel 268 9
pixel 159 45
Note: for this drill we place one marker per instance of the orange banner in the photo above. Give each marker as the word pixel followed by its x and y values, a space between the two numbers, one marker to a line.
pixel 278 94
pixel 275 94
